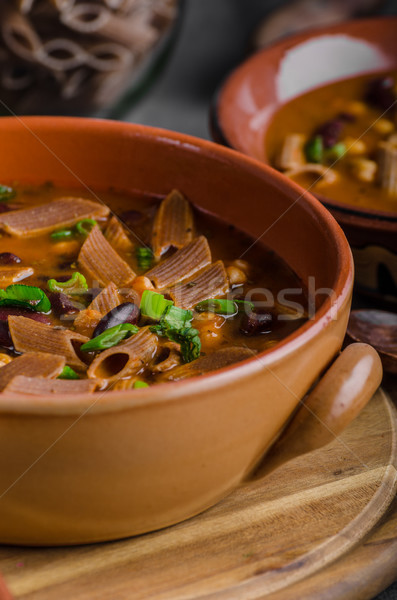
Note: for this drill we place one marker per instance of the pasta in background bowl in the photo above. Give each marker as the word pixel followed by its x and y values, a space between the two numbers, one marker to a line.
pixel 124 462
pixel 69 57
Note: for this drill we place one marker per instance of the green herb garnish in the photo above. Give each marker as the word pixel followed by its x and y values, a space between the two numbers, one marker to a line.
pixel 244 304
pixel 84 226
pixel 335 152
pixel 140 384
pixel 218 306
pixel 176 318
pixel 77 284
pixel 62 234
pixel 144 257
pixel 109 338
pixel 314 150
pixel 68 373
pixel 153 305
pixel 6 193
pixel 189 340
pixel 25 296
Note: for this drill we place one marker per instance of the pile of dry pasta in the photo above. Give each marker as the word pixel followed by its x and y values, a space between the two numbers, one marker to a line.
pixel 73 56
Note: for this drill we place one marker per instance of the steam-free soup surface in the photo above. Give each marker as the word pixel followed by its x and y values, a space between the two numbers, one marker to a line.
pixel 157 293
pixel 340 140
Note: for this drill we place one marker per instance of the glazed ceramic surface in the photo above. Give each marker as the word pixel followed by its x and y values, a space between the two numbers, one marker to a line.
pixel 88 468
pixel 253 93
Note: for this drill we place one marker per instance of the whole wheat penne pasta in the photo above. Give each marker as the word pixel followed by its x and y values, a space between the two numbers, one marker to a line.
pixel 292 154
pixel 210 282
pixel 104 302
pixel 126 359
pixel 181 265
pixel 10 275
pixel 63 212
pixel 32 364
pixel 387 169
pixel 116 235
pixel 173 224
pixel 211 362
pixel 101 261
pixel 37 386
pixel 31 336
pixel 107 299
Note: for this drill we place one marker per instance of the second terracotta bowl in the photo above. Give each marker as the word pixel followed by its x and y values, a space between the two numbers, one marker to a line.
pixel 249 98
pixel 83 468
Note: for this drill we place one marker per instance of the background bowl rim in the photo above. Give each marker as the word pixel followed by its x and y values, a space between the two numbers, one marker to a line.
pixel 219 134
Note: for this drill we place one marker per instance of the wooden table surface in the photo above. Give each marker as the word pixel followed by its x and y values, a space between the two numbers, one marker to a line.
pixel 309 530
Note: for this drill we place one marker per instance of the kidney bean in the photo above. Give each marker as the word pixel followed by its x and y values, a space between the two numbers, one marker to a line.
pixel 8 258
pixel 61 304
pixel 330 131
pixel 257 322
pixel 128 312
pixel 380 93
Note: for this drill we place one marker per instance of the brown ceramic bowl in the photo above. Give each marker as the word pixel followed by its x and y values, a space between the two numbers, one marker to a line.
pixel 253 93
pixel 89 468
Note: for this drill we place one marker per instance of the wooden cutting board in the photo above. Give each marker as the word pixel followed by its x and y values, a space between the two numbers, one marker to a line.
pixel 273 538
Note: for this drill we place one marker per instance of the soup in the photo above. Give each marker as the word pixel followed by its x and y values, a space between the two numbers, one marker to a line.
pixel 96 297
pixel 341 141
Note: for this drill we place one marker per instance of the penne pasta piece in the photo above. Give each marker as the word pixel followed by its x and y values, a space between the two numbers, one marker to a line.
pixel 116 235
pixel 211 362
pixel 124 384
pixel 31 336
pixel 104 302
pixel 101 261
pixel 292 155
pixel 44 218
pixel 36 386
pixel 387 169
pixel 10 275
pixel 323 173
pixel 184 263
pixel 210 282
pixel 173 224
pixel 32 364
pixel 128 358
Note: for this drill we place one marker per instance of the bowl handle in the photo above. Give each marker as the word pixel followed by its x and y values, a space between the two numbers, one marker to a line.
pixel 337 399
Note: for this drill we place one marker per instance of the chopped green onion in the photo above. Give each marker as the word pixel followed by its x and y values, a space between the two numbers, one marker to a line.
pixel 68 373
pixel 140 384
pixel 243 304
pixel 176 317
pixel 26 296
pixel 77 284
pixel 335 152
pixel 218 306
pixel 153 305
pixel 62 234
pixel 314 150
pixel 109 338
pixel 144 257
pixel 84 226
pixel 6 193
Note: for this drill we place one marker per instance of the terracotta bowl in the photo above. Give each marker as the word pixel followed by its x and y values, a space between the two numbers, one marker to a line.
pixel 88 468
pixel 254 92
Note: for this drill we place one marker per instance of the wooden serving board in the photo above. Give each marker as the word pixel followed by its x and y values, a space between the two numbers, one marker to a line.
pixel 274 537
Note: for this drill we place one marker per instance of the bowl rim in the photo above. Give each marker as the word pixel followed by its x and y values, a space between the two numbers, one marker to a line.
pixel 100 402
pixel 219 134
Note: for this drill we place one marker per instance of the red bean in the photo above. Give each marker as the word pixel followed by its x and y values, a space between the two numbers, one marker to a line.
pixel 257 322
pixel 380 93
pixel 128 312
pixel 61 304
pixel 8 258
pixel 330 131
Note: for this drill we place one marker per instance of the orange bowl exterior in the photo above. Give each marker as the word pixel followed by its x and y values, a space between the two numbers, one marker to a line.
pixel 89 468
pixel 249 98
